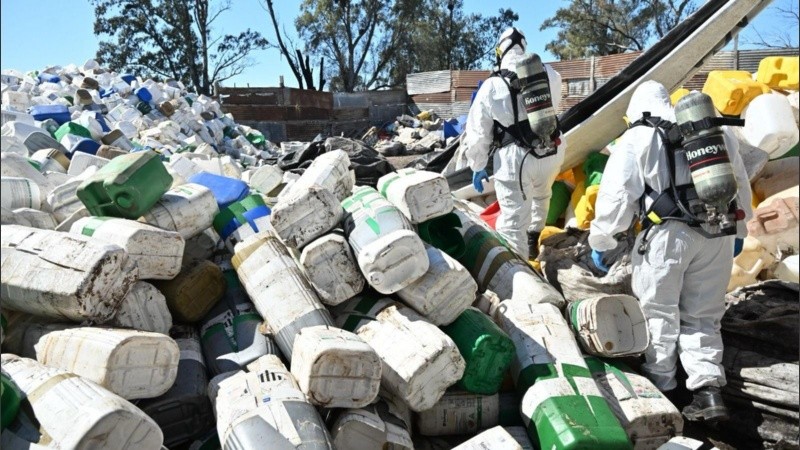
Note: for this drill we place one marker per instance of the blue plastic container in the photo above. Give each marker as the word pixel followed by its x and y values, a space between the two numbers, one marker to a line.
pixel 107 93
pixel 225 189
pixel 128 78
pixel 48 78
pixel 144 95
pixel 59 113
pixel 102 120
pixel 86 146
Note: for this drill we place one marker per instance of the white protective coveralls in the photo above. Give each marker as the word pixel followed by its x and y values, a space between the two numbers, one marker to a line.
pixel 682 277
pixel 517 214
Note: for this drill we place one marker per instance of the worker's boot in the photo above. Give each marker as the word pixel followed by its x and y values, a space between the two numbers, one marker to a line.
pixel 707 405
pixel 533 244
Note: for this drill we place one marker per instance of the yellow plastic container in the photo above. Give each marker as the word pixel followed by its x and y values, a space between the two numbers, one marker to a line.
pixel 780 72
pixel 584 210
pixel 193 292
pixel 732 90
pixel 677 95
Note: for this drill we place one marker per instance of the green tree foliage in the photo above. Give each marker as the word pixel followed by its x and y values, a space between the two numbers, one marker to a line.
pixel 172 39
pixel 607 27
pixel 374 43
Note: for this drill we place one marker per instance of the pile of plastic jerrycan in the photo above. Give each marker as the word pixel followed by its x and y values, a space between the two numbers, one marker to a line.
pixel 163 287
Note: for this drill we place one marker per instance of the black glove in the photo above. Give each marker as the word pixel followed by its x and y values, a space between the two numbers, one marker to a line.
pixel 533 244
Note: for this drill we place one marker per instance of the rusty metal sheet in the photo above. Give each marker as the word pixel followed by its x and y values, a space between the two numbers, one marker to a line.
pixel 428 82
pixel 305 97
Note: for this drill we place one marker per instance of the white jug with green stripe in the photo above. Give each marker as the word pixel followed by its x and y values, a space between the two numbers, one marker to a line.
pixel 232 333
pixel 497 268
pixel 63 276
pixel 77 413
pixel 157 253
pixel 390 254
pixel 420 195
pixel 419 361
pixel 562 405
pixel 19 192
pixel 648 417
pixel 462 412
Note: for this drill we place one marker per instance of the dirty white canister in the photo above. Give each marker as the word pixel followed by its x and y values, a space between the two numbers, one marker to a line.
pixel 188 209
pixel 419 361
pixel 278 289
pixel 443 292
pixel 132 364
pixel 157 253
pixel 335 368
pixel 78 413
pixel 61 275
pixel 330 267
pixel 305 214
pixel 420 195
pixel 265 408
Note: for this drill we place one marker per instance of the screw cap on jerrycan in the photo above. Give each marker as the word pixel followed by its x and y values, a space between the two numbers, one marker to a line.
pixel 126 187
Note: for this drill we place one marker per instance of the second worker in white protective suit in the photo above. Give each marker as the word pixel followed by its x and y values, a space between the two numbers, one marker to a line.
pixel 680 275
pixel 523 176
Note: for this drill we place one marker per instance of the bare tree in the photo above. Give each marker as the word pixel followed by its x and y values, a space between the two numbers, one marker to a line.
pixel 779 37
pixel 301 67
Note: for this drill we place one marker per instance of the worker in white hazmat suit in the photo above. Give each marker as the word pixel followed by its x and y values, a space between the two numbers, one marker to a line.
pixel 522 178
pixel 680 275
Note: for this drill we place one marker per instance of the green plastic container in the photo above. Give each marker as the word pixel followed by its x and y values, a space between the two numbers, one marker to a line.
pixel 558 202
pixel 593 168
pixel 441 232
pixel 9 401
pixel 256 139
pixel 72 128
pixel 794 151
pixel 126 187
pixel 486 348
pixel 580 420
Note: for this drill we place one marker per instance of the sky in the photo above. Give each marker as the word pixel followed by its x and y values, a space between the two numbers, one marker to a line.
pixel 39 33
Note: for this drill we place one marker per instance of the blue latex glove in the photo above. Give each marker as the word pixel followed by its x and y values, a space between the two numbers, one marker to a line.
pixel 477 178
pixel 737 247
pixel 597 258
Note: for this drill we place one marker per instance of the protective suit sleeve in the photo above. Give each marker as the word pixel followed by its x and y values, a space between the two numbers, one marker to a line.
pixel 744 198
pixel 480 123
pixel 618 198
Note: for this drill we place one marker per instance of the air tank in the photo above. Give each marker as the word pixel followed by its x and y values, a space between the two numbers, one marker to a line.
pixel 706 153
pixel 537 97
